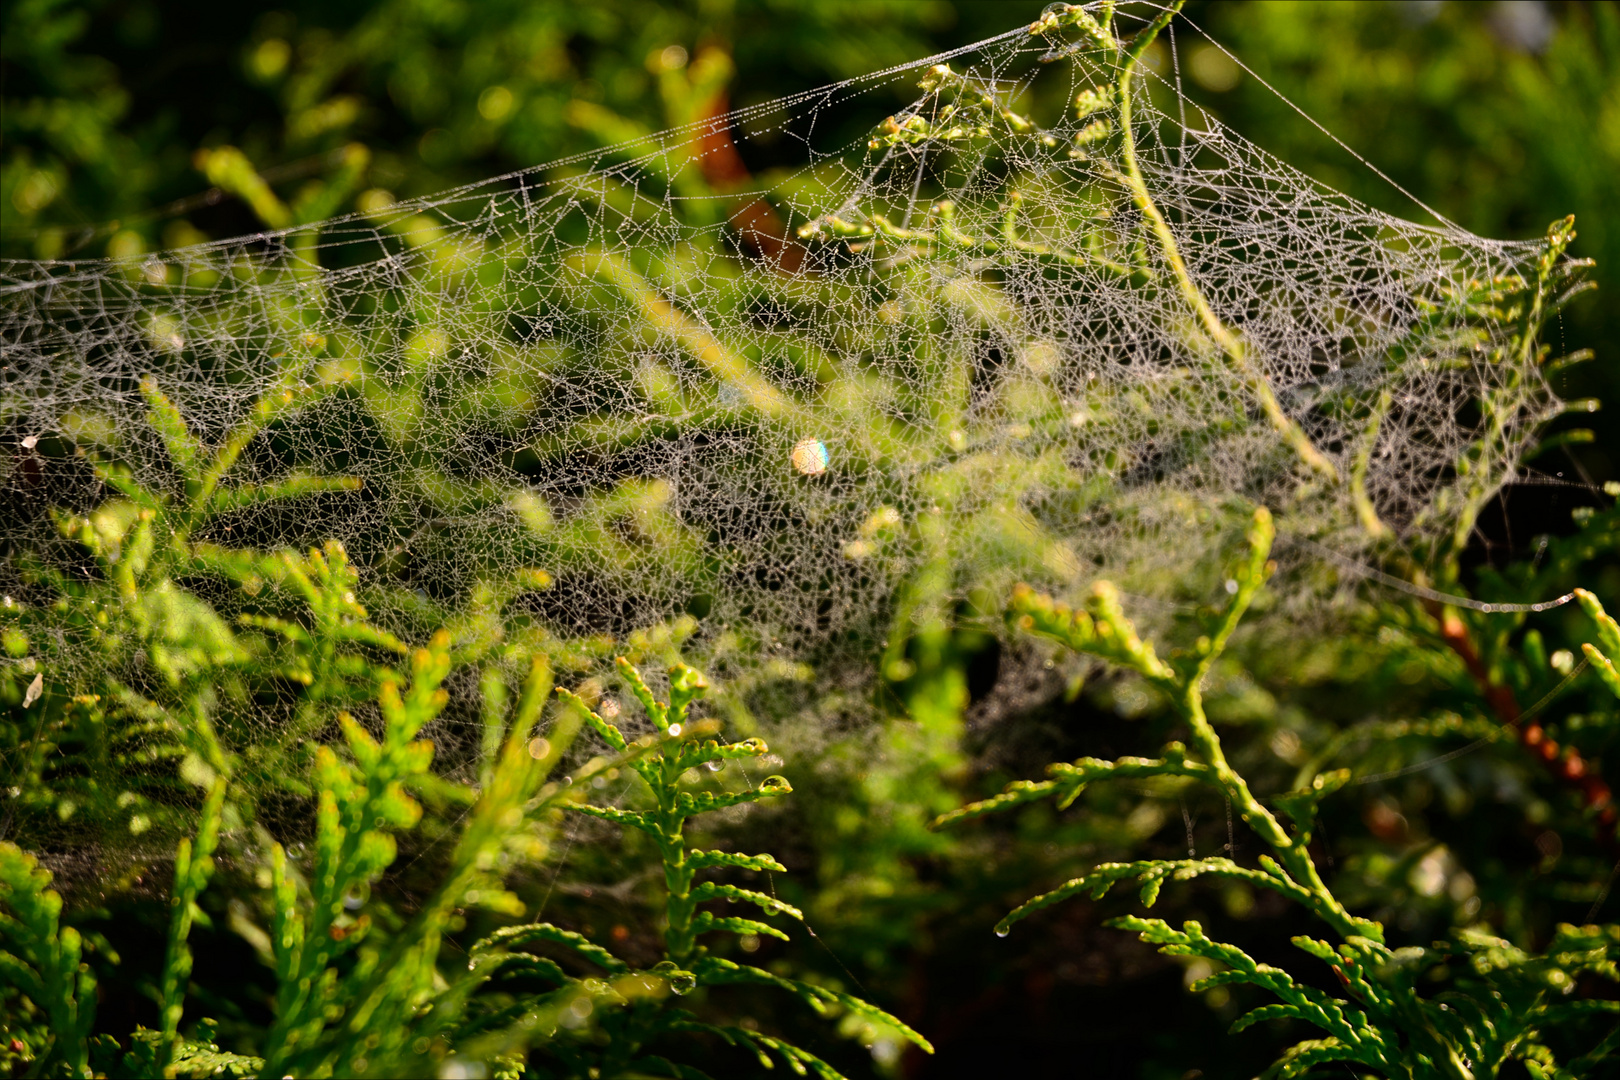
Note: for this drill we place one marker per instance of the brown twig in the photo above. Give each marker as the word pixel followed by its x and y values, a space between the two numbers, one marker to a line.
pixel 1565 763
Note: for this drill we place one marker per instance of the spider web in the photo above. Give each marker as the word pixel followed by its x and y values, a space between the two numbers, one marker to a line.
pixel 787 424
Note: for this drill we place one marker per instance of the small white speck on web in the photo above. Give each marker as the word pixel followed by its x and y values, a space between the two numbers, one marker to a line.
pixel 810 457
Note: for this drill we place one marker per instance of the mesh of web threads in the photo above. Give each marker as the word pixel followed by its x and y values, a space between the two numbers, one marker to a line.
pixel 942 359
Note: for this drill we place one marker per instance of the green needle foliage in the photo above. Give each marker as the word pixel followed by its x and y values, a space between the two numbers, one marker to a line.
pixel 351 999
pixel 192 868
pixel 1503 1002
pixel 41 963
pixel 637 1008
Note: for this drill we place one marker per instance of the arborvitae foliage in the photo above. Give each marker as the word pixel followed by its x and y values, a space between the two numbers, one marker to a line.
pixel 178 680
pixel 49 986
pixel 351 998
pixel 672 768
pixel 355 999
pixel 1499 1003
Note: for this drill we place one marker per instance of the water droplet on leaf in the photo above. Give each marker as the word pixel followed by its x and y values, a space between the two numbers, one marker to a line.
pixel 680 982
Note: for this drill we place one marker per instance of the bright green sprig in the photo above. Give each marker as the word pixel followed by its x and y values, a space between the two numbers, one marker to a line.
pixel 1350 1037
pixel 681 744
pixel 1151 874
pixel 1602 655
pixel 357 803
pixel 972 113
pixel 1072 779
pixel 201 1057
pixel 42 958
pixel 374 1014
pixel 201 472
pixel 193 866
pixel 661 770
pixel 387 1016
pixel 941 233
pixel 1105 632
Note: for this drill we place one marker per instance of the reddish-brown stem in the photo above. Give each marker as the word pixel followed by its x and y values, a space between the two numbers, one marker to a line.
pixel 1565 763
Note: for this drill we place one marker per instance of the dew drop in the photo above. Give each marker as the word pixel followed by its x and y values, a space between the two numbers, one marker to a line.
pixel 810 457
pixel 1231 586
pixel 539 748
pixel 715 766
pixel 1003 931
pixel 674 730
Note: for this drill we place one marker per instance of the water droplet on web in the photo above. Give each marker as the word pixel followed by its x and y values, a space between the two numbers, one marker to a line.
pixel 539 748
pixel 715 766
pixel 810 457
pixel 1231 586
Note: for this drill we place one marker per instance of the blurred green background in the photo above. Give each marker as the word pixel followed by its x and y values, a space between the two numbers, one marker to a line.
pixel 1502 116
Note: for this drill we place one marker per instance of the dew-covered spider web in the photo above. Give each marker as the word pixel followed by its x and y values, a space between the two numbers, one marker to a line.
pixel 1039 325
